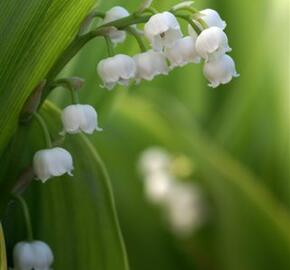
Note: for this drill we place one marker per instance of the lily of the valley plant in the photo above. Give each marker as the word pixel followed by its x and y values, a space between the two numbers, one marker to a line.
pixel 164 46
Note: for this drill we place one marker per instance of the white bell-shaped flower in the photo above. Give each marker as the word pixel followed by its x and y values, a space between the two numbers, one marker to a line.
pixel 212 43
pixel 115 13
pixel 182 52
pixel 52 162
pixel 212 18
pixel 162 30
pixel 150 64
pixel 119 69
pixel 35 255
pixel 220 70
pixel 77 118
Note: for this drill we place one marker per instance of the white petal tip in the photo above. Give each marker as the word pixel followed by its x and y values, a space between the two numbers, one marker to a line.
pixel 213 85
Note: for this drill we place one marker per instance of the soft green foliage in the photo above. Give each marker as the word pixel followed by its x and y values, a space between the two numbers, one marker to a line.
pixel 87 226
pixel 236 137
pixel 35 33
pixel 76 216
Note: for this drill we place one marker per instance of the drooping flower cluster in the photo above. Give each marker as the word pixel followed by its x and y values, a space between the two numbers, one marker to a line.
pixel 170 49
pixel 35 255
pixel 206 40
pixel 181 201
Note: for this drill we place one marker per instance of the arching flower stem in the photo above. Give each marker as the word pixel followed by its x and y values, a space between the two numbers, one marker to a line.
pixel 193 12
pixel 110 48
pixel 26 215
pixel 138 38
pixel 44 129
pixel 190 21
pixel 82 40
pixel 150 10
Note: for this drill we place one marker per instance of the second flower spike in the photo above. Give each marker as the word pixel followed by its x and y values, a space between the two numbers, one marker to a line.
pixel 78 117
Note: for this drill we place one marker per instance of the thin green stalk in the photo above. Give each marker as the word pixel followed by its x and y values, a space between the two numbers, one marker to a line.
pixel 110 48
pixel 192 10
pixel 98 14
pixel 195 11
pixel 70 85
pixel 82 40
pixel 44 129
pixel 75 96
pixel 87 22
pixel 26 215
pixel 127 21
pixel 190 21
pixel 138 38
pixel 150 10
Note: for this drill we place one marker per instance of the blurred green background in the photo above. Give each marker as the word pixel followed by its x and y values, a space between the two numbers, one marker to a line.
pixel 237 138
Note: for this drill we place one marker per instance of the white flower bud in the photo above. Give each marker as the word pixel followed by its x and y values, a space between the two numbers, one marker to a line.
pixel 162 30
pixel 220 71
pixel 115 13
pixel 212 18
pixel 119 69
pixel 35 255
pixel 150 64
pixel 77 118
pixel 52 162
pixel 182 52
pixel 212 43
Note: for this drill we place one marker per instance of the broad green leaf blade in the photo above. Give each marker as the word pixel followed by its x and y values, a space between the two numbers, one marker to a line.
pixel 76 215
pixel 3 263
pixel 33 35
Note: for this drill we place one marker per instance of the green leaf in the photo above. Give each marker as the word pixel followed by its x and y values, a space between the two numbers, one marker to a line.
pixel 3 263
pixel 33 35
pixel 76 215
